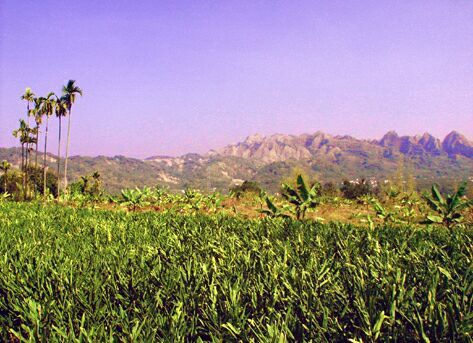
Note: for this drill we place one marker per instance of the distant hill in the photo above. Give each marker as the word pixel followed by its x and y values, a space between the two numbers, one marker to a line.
pixel 269 159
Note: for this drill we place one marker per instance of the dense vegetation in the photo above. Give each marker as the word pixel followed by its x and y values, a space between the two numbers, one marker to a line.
pixel 93 275
pixel 145 264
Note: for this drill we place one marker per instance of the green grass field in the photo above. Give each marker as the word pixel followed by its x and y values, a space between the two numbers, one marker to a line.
pixel 93 275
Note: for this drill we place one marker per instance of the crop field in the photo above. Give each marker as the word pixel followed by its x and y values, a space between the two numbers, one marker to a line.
pixel 93 275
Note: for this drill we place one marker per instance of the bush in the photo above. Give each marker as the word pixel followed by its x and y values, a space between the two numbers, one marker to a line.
pixel 245 187
pixel 356 189
pixel 35 182
pixel 90 185
pixel 14 182
pixel 35 177
pixel 329 189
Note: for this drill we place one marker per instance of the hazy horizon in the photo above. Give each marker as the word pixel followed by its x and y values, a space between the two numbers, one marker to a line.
pixel 169 78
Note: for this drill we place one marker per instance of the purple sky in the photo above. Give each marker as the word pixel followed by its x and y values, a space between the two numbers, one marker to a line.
pixel 171 77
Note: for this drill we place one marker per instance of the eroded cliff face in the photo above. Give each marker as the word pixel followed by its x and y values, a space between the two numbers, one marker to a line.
pixel 457 144
pixel 280 147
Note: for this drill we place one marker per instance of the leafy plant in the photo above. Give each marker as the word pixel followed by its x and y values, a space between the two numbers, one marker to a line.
pixel 245 187
pixel 449 208
pixel 4 167
pixel 409 203
pixel 193 200
pixel 355 189
pixel 79 274
pixel 272 210
pixel 301 196
pixel 383 213
pixel 5 196
pixel 133 199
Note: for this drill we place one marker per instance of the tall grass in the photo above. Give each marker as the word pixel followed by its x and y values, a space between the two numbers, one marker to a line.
pixel 82 274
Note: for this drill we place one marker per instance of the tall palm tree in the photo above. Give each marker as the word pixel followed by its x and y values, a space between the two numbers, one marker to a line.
pixel 26 136
pixel 4 166
pixel 21 134
pixel 37 113
pixel 28 96
pixel 31 134
pixel 60 110
pixel 49 106
pixel 70 90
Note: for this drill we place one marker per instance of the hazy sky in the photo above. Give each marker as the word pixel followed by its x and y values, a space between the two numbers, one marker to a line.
pixel 171 77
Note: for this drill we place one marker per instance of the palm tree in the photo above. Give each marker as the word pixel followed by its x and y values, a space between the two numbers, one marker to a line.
pixel 26 135
pixel 49 106
pixel 31 134
pixel 28 96
pixel 4 166
pixel 21 134
pixel 60 110
pixel 37 112
pixel 69 90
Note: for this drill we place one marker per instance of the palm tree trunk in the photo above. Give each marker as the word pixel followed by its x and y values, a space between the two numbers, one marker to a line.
pixel 44 156
pixel 67 148
pixel 36 154
pixel 25 174
pixel 23 165
pixel 59 161
pixel 22 157
pixel 28 113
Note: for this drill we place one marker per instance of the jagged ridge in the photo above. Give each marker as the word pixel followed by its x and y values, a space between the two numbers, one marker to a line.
pixel 280 147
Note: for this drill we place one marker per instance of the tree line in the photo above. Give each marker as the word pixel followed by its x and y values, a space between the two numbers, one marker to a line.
pixel 40 109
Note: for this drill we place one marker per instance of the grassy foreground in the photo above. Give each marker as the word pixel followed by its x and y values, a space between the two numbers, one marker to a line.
pixel 96 275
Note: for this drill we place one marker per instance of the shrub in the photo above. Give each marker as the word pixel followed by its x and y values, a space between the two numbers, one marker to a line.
pixel 355 189
pixel 245 187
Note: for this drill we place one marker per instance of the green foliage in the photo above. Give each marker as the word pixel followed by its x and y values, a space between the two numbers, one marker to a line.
pixel 12 182
pixel 383 213
pixel 69 274
pixel 329 189
pixel 273 211
pixel 449 208
pixel 5 196
pixel 392 193
pixel 134 198
pixel 88 185
pixel 245 187
pixel 35 177
pixel 354 189
pixel 301 196
pixel 192 200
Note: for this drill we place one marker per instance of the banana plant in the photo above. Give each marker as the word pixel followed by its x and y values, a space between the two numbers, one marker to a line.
pixel 133 199
pixel 161 195
pixel 212 202
pixel 449 208
pixel 301 196
pixel 382 213
pixel 192 200
pixel 409 203
pixel 272 210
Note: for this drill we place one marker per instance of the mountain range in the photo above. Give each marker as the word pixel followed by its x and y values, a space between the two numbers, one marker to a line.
pixel 269 159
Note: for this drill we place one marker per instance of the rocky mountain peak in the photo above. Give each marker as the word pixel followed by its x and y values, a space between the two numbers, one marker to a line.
pixel 457 144
pixel 430 143
pixel 253 139
pixel 391 138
